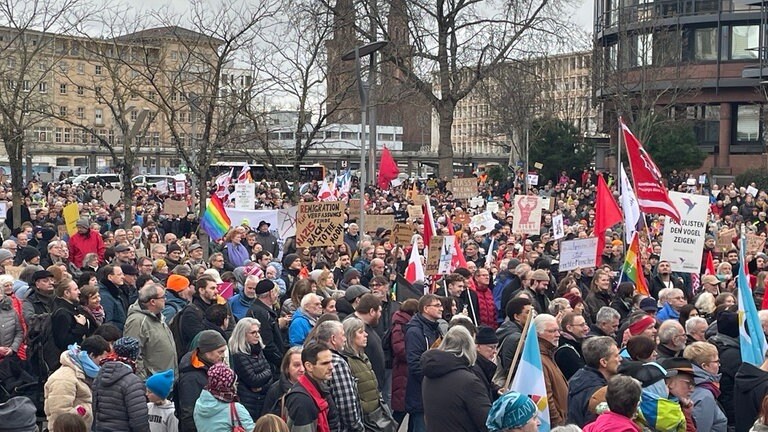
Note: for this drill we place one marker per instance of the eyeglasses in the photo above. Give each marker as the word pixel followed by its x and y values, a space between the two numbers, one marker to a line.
pixel 436 305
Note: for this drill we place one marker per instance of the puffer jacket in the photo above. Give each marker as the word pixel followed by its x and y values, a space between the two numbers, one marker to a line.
pixel 301 325
pixel 65 390
pixel 706 411
pixel 730 360
pixel 399 360
pixel 254 376
pixel 11 332
pixel 214 415
pixel 239 304
pixel 367 385
pixel 120 402
pixel 158 350
pixel 581 387
pixel 751 386
pixel 193 376
pixel 486 306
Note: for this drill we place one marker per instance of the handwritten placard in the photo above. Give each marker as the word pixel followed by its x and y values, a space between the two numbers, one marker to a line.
pixel 415 211
pixel 320 224
pixel 402 234
pixel 71 214
pixel 484 222
pixel 464 188
pixel 354 208
pixel 579 253
pixel 175 207
pixel 433 256
pixel 374 222
pixel 755 243
pixel 725 239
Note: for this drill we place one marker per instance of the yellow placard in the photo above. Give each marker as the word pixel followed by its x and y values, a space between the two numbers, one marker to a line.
pixel 71 214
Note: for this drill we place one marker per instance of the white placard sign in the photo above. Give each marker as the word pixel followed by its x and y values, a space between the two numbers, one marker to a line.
pixel 286 222
pixel 253 217
pixel 446 255
pixel 181 187
pixel 527 218
pixel 492 206
pixel 533 179
pixel 112 196
pixel 579 253
pixel 245 196
pixel 752 191
pixel 558 228
pixel 476 202
pixel 683 243
pixel 484 222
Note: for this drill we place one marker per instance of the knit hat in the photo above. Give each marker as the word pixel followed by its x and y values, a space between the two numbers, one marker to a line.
pixel 264 286
pixel 728 324
pixel 161 383
pixel 18 415
pixel 512 264
pixel 209 340
pixel 129 270
pixel 194 246
pixel 648 304
pixel 177 283
pixel 351 273
pixel 214 274
pixel 540 275
pixel 354 292
pixel 486 336
pixel 5 254
pixel 289 259
pixel 83 223
pixel 128 347
pixel 41 274
pixel 573 299
pixel 641 325
pixel 511 410
pixel 173 247
pixel 221 382
pixel 29 253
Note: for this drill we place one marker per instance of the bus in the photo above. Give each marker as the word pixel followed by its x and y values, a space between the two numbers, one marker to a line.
pixel 261 172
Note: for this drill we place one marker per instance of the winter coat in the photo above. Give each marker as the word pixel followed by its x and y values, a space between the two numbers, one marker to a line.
pixel 66 330
pixel 730 360
pixel 596 300
pixel 706 411
pixel 367 385
pixel 213 415
pixel 254 376
pixel 751 386
pixel 609 421
pixel 420 334
pixel 269 332
pixel 557 386
pixel 65 390
pixel 486 306
pixel 568 355
pixel 301 411
pixel 193 376
pixel 239 304
pixel 268 243
pixel 509 335
pixel 667 312
pixel 173 305
pixel 301 325
pixel 399 361
pixel 158 349
pixel 375 353
pixel 445 408
pixel 581 387
pixel 11 331
pixel 119 400
pixel 273 402
pixel 80 245
pixel 759 427
pixel 115 302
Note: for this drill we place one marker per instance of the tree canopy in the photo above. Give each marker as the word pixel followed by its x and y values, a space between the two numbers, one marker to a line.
pixel 556 144
pixel 672 146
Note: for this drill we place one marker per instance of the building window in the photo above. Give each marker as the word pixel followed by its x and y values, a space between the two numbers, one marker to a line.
pixel 43 87
pixel 744 41
pixel 62 111
pixel 80 68
pixel 57 136
pixel 99 116
pixel 26 85
pixel 80 90
pixel 748 123
pixel 705 44
pixel 80 112
pixel 98 70
pixel 67 135
pixel 62 88
pixel 134 115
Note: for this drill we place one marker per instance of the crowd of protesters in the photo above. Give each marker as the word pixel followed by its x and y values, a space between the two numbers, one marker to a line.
pixel 123 326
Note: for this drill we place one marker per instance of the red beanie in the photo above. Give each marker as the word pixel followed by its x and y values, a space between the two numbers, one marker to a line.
pixel 641 325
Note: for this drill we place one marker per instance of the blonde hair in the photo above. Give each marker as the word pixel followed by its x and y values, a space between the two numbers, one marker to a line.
pixel 270 423
pixel 700 352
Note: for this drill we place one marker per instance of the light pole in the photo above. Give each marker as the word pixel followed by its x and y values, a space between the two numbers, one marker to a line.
pixel 363 87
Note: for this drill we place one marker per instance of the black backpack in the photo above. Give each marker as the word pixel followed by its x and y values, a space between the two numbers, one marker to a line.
pixel 39 336
pixel 175 326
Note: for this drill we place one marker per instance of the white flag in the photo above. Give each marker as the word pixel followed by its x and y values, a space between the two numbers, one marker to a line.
pixel 629 207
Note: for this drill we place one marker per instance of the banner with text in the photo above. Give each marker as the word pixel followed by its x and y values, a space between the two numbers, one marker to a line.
pixel 683 243
pixel 579 253
pixel 320 224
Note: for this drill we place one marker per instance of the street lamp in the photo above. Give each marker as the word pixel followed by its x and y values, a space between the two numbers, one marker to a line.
pixel 363 87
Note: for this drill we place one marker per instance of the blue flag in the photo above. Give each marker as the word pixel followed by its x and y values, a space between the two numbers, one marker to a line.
pixel 751 336
pixel 529 379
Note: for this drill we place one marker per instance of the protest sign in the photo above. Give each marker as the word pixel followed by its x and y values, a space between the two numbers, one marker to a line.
pixel 433 256
pixel 558 229
pixel 286 222
pixel 484 222
pixel 533 179
pixel 462 218
pixel 354 208
pixel 245 196
pixel 251 218
pixel 181 187
pixel 464 188
pixel 71 214
pixel 3 209
pixel 419 200
pixel 402 234
pixel 175 207
pixel 725 240
pixel 538 165
pixel 375 221
pixel 320 224
pixel 415 211
pixel 579 253
pixel 684 242
pixel 492 206
pixel 112 196
pixel 476 202
pixel 527 219
pixel 752 191
pixel 446 255
pixel 755 243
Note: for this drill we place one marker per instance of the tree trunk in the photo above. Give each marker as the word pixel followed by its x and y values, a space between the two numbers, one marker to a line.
pixel 127 173
pixel 14 147
pixel 445 147
pixel 202 192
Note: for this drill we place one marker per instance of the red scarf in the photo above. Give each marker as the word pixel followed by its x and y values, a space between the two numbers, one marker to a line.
pixel 322 404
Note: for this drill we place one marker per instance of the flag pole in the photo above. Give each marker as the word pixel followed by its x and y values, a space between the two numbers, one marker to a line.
pixel 618 175
pixel 518 351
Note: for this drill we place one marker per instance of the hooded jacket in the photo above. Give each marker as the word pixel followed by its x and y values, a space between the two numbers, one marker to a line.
pixel 193 376
pixel 65 390
pixel 212 414
pixel 751 386
pixel 581 387
pixel 613 422
pixel 158 350
pixel 399 361
pixel 80 245
pixel 730 359
pixel 445 408
pixel 119 400
pixel 707 413
pixel 301 325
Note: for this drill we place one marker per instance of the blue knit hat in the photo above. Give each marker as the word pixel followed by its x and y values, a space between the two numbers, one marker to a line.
pixel 161 383
pixel 511 410
pixel 128 347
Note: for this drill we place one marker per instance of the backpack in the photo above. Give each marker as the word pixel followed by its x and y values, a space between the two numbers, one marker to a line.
pixel 39 336
pixel 175 326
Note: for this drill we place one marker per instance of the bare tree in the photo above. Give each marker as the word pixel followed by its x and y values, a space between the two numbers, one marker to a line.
pixel 28 56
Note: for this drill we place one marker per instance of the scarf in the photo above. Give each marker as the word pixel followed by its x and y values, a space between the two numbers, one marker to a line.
pixel 98 314
pixel 238 255
pixel 81 358
pixel 128 362
pixel 320 402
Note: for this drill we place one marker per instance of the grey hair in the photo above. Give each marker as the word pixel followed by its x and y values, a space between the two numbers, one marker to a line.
pixel 623 395
pixel 149 291
pixel 762 314
pixel 351 326
pixel 541 320
pixel 663 294
pixel 692 322
pixel 668 330
pixel 308 298
pixel 596 348
pixel 55 243
pixel 252 278
pixel 238 344
pixel 327 329
pixel 460 342
pixel 607 314
pixel 557 305
pixel 705 303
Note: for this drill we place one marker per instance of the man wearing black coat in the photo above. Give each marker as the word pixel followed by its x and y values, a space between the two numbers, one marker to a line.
pixel 511 330
pixel 267 294
pixel 193 376
pixel 750 388
pixel 568 355
pixel 193 315
pixel 727 342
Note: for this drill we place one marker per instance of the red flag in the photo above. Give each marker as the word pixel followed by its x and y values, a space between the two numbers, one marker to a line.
pixel 388 170
pixel 607 214
pixel 709 269
pixel 429 221
pixel 652 195
pixel 458 260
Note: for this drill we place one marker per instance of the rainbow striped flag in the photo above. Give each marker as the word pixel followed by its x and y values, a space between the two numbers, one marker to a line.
pixel 632 270
pixel 215 221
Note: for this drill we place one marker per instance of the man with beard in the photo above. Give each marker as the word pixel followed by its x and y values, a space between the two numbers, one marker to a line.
pixel 368 310
pixel 664 279
pixel 83 242
pixel 568 355
pixel 672 340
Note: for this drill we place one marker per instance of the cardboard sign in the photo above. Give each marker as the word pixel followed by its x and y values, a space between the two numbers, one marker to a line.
pixel 579 253
pixel 415 211
pixel 533 179
pixel 419 200
pixel 374 222
pixel 181 187
pixel 725 240
pixel 112 196
pixel 492 206
pixel 484 222
pixel 354 208
pixel 755 244
pixel 538 165
pixel 527 219
pixel 476 202
pixel 175 207
pixel 71 214
pixel 401 234
pixel 245 196
pixel 464 188
pixel 320 224
pixel 433 256
pixel 462 218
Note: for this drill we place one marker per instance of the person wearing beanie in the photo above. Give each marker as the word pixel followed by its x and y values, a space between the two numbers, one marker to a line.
pixel 350 277
pixel 263 310
pixel 513 412
pixel 173 256
pixel 178 293
pixel 162 417
pixel 119 393
pixel 193 375
pixel 728 348
pixel 27 256
pixel 217 408
pixel 85 241
pixel 291 269
pixel 487 344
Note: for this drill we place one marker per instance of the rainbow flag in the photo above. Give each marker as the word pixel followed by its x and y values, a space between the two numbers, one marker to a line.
pixel 215 221
pixel 632 270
